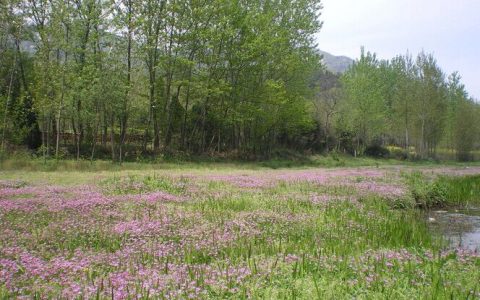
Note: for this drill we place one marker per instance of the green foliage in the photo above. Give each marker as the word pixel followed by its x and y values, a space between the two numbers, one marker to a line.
pixel 197 76
pixel 464 133
pixel 408 103
pixel 365 102
pixel 399 154
pixel 378 151
pixel 134 79
pixel 443 191
pixel 426 193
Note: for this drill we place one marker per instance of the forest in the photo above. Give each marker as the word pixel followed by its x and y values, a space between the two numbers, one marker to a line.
pixel 124 80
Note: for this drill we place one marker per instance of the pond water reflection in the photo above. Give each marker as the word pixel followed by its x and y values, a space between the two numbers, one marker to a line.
pixel 461 227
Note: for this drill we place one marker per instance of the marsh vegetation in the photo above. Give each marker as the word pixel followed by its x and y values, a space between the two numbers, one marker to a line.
pixel 229 233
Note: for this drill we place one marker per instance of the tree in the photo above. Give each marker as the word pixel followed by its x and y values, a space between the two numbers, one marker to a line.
pixel 432 104
pixel 404 96
pixel 365 99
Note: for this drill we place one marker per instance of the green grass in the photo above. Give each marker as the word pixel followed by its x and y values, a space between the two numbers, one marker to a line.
pixel 30 164
pixel 442 191
pixel 461 191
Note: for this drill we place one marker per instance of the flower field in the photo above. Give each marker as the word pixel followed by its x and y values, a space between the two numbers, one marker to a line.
pixel 210 234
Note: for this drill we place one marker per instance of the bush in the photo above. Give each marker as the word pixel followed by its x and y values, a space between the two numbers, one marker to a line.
pixel 464 156
pixel 377 151
pixel 399 154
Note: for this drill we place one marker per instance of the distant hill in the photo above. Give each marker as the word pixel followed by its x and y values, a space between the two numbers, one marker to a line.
pixel 336 64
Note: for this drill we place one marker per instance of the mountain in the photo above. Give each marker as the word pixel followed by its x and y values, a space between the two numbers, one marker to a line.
pixel 336 64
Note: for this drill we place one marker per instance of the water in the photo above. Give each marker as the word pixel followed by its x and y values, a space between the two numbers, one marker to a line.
pixel 460 227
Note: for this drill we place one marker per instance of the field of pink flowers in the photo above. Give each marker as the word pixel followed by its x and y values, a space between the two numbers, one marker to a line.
pixel 282 234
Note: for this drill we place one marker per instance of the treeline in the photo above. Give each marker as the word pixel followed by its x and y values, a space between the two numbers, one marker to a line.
pixel 129 77
pixel 405 102
pixel 125 79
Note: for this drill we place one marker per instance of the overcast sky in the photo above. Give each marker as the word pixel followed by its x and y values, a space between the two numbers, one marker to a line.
pixel 450 29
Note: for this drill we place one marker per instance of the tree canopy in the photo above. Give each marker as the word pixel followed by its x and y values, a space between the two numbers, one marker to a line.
pixel 125 79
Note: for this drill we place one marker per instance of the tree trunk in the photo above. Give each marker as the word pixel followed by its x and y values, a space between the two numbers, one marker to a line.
pixel 168 134
pixel 185 115
pixel 94 139
pixel 7 102
pixel 124 116
pixel 60 108
pixel 112 136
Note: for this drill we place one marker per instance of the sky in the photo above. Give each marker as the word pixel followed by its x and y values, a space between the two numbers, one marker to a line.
pixel 450 30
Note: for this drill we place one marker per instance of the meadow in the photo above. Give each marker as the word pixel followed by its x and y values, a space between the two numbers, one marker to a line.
pixel 214 231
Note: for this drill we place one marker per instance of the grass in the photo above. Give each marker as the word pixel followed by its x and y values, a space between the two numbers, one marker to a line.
pixel 31 164
pixel 211 232
pixel 461 191
pixel 443 191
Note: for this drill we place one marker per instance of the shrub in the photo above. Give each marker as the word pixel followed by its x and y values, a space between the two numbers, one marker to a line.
pixel 399 153
pixel 464 156
pixel 377 151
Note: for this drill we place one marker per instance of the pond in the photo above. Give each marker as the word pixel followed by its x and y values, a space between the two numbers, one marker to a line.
pixel 460 227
